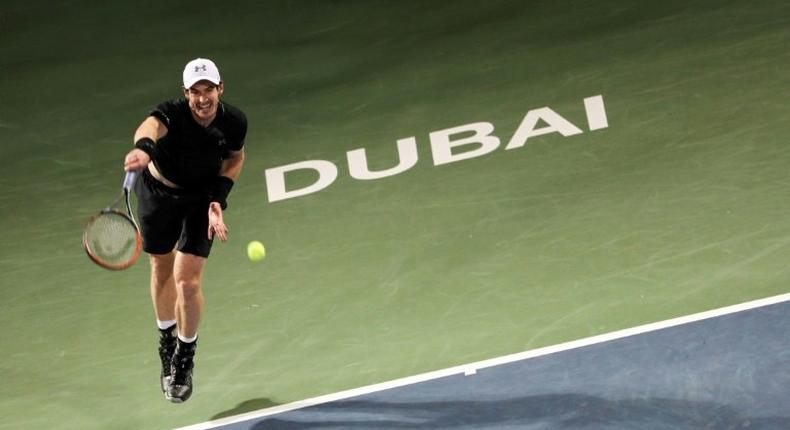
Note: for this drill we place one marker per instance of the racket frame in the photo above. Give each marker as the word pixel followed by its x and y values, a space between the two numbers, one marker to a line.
pixel 105 264
pixel 128 183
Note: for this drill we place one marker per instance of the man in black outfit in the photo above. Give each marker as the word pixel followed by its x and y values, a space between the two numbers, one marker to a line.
pixel 190 152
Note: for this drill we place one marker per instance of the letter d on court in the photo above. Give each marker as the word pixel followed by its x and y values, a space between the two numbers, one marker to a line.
pixel 275 179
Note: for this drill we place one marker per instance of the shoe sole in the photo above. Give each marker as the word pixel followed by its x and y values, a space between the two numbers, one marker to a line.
pixel 172 399
pixel 175 400
pixel 164 383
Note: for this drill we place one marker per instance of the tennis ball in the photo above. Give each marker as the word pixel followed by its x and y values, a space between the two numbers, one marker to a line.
pixel 256 251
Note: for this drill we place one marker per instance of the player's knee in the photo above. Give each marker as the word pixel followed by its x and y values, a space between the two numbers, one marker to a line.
pixel 188 287
pixel 161 270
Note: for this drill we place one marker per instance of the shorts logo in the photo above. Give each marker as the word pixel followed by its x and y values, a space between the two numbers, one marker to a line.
pixel 199 68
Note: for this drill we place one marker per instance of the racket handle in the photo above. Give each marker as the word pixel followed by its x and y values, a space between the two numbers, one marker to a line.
pixel 128 181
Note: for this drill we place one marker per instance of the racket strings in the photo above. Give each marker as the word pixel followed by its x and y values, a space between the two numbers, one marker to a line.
pixel 112 238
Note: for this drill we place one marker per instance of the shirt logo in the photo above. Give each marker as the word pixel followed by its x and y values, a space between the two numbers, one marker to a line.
pixel 199 68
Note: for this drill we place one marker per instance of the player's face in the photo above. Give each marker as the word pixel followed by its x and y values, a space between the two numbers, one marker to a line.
pixel 203 101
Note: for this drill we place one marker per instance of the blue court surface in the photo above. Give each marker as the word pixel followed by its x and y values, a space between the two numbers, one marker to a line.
pixel 723 369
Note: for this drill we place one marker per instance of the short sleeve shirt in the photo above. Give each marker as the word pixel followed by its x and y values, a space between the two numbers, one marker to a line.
pixel 191 155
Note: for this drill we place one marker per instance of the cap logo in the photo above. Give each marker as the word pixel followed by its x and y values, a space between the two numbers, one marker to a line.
pixel 199 68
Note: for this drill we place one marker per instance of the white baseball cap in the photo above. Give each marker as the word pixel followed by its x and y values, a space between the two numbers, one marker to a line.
pixel 201 69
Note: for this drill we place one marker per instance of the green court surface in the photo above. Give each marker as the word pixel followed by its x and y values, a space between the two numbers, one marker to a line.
pixel 678 206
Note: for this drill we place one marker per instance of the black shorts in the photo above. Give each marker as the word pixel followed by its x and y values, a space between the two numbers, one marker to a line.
pixel 170 217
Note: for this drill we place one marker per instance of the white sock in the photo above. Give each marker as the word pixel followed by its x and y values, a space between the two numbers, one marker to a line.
pixel 187 339
pixel 164 325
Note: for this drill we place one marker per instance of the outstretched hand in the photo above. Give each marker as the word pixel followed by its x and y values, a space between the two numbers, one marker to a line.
pixel 215 223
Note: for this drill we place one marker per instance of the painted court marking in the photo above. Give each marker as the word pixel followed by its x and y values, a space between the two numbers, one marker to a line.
pixel 472 368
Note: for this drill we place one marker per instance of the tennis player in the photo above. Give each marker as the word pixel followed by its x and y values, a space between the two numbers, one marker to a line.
pixel 190 151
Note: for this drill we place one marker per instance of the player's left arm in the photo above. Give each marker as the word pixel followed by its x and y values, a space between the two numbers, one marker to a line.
pixel 231 166
pixel 228 173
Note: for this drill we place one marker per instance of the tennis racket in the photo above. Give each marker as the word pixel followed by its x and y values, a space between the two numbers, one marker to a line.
pixel 112 237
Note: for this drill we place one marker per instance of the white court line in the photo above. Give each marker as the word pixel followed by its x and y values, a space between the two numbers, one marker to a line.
pixel 472 368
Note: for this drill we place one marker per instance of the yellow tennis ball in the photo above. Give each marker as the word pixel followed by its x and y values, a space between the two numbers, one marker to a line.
pixel 256 251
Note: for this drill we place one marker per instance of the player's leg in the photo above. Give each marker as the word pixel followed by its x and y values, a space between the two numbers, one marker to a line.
pixel 163 296
pixel 193 250
pixel 163 286
pixel 188 273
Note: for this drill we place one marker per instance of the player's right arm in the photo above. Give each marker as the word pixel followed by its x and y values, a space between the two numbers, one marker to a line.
pixel 145 137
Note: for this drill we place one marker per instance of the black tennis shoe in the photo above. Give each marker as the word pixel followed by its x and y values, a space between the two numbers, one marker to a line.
pixel 167 346
pixel 180 387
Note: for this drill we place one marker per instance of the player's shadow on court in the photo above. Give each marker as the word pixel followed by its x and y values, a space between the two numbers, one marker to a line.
pixel 246 406
pixel 558 411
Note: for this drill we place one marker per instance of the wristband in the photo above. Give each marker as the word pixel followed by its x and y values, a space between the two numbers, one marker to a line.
pixel 147 145
pixel 220 190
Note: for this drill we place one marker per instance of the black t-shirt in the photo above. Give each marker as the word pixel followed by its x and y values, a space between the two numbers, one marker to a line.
pixel 190 155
